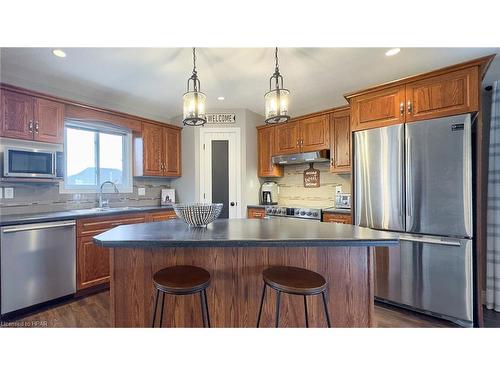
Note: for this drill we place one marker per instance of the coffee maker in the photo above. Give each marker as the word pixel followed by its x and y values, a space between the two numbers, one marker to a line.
pixel 269 193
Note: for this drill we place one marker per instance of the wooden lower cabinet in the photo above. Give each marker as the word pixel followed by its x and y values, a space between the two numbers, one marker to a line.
pixel 337 218
pixel 256 213
pixel 92 261
pixel 161 216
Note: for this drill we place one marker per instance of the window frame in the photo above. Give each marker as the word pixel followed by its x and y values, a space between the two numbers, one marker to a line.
pixel 127 178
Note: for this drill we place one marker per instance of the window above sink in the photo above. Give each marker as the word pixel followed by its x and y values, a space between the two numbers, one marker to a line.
pixel 95 153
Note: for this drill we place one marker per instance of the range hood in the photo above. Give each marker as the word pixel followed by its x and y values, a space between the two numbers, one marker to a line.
pixel 302 158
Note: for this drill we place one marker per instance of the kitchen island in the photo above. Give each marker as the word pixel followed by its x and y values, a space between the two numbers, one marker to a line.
pixel 235 252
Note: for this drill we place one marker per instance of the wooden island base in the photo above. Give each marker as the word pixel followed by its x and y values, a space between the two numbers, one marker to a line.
pixel 236 287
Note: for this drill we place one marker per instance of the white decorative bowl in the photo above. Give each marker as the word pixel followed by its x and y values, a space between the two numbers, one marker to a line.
pixel 198 214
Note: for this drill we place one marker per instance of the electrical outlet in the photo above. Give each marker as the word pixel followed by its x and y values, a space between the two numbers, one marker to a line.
pixel 141 191
pixel 9 193
pixel 1 192
pixel 338 189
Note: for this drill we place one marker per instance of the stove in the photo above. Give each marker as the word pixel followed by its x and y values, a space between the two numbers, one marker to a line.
pixel 294 212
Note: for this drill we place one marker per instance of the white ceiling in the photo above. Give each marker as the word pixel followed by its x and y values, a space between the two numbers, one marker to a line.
pixel 150 82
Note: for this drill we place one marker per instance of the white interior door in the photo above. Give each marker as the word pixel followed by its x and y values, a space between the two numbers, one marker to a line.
pixel 220 174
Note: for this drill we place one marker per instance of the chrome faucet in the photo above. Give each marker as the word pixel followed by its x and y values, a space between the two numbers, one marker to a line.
pixel 104 203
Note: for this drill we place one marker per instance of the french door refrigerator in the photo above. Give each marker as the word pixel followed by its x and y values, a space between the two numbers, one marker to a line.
pixel 416 179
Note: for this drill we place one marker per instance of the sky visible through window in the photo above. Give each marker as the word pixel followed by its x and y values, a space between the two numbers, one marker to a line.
pixel 81 157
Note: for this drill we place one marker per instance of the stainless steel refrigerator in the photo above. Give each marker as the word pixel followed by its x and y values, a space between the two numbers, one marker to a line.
pixel 416 179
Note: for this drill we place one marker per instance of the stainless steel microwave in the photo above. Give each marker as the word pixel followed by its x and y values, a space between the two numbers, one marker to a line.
pixel 32 163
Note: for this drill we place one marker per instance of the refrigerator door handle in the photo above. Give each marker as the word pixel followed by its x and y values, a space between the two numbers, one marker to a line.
pixel 409 193
pixel 429 240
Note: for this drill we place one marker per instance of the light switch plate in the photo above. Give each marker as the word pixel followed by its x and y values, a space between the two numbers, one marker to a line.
pixel 338 189
pixel 141 191
pixel 9 193
pixel 1 192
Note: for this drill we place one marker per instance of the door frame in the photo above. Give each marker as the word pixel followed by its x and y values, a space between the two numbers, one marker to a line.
pixel 233 160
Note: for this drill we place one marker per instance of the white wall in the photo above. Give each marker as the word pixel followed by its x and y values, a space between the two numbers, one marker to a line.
pixel 188 186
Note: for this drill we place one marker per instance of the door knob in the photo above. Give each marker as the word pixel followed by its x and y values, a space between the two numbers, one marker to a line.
pixel 232 204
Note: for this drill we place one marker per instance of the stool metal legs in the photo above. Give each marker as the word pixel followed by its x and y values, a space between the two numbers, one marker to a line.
pixel 305 310
pixel 326 310
pixel 203 303
pixel 261 304
pixel 204 308
pixel 278 300
pixel 278 304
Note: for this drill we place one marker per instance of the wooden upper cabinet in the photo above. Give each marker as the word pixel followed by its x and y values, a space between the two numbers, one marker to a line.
pixel 340 141
pixel 31 118
pixel 157 151
pixel 443 95
pixel 380 108
pixel 172 152
pixel 49 121
pixel 17 115
pixel 287 138
pixel 314 133
pixel 266 144
pixel 153 151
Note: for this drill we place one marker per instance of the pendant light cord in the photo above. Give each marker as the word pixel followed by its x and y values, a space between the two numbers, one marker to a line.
pixel 276 58
pixel 194 60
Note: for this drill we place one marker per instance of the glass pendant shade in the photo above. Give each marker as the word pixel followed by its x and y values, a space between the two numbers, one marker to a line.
pixel 194 108
pixel 277 106
pixel 277 98
pixel 194 101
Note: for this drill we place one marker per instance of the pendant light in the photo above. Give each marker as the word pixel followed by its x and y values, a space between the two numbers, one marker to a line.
pixel 277 97
pixel 194 100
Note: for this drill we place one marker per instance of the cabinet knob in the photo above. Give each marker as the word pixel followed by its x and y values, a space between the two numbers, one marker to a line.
pixel 332 162
pixel 36 127
pixel 402 108
pixel 30 126
pixel 409 107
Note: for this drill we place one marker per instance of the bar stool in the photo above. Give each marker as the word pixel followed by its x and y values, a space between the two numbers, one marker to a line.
pixel 293 280
pixel 180 281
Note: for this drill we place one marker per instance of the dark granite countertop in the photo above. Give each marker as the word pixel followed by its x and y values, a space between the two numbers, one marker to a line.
pixel 243 233
pixel 18 219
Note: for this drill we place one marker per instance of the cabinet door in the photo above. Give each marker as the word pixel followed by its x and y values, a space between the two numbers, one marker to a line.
pixel 337 218
pixel 49 121
pixel 93 263
pixel 340 141
pixel 17 115
pixel 380 108
pixel 256 213
pixel 444 95
pixel 172 152
pixel 161 216
pixel 314 133
pixel 265 144
pixel 153 139
pixel 287 138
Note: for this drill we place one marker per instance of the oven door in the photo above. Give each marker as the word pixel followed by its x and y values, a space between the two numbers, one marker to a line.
pixel 29 163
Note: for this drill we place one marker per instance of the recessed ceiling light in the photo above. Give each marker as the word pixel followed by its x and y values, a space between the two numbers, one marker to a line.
pixel 220 98
pixel 59 52
pixel 393 51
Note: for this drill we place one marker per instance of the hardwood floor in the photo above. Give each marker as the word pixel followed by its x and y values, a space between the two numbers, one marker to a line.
pixel 93 312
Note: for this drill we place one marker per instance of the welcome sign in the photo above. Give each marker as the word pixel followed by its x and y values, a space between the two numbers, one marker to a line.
pixel 221 118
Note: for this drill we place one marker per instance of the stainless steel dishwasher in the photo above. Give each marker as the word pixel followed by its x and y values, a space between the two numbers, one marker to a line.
pixel 38 263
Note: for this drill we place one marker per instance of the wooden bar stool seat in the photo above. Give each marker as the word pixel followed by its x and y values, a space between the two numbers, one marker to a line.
pixel 293 280
pixel 182 280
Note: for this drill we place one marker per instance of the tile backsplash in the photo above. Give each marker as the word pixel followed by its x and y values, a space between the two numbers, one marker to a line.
pixel 293 193
pixel 45 197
